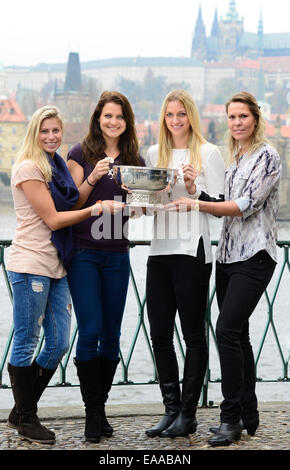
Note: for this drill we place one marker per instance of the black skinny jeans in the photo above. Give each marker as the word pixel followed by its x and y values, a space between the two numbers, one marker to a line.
pixel 177 282
pixel 239 287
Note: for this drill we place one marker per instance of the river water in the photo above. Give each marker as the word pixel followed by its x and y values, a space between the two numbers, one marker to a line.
pixel 141 369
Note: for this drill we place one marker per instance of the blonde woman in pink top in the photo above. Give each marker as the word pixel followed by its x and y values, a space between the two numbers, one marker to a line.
pixel 44 197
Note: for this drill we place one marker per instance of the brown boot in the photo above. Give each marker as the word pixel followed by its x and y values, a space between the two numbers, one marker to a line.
pixel 41 378
pixel 29 426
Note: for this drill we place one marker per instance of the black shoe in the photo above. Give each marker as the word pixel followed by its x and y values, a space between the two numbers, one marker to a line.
pixel 107 372
pixel 168 375
pixel 251 424
pixel 226 435
pixel 93 426
pixel 171 400
pixel 215 429
pixel 182 426
pixel 107 430
pixel 96 377
pixel 88 373
pixel 163 424
pixel 193 376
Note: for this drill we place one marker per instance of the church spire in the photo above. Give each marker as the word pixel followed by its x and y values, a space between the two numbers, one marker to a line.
pixel 261 24
pixel 199 18
pixel 232 14
pixel 260 33
pixel 215 25
pixel 198 49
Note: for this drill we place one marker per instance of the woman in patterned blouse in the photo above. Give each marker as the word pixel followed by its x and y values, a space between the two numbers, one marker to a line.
pixel 246 258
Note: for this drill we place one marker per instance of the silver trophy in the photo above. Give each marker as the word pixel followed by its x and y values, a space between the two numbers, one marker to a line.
pixel 144 184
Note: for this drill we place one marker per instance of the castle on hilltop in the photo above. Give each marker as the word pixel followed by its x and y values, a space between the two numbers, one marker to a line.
pixel 228 39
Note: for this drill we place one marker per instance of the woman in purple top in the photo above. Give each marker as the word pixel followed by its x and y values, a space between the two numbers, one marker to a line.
pixel 99 273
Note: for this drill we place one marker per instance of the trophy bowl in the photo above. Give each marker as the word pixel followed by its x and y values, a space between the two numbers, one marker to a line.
pixel 143 184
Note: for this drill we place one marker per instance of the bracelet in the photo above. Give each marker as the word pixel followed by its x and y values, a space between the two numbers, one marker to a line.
pixel 87 180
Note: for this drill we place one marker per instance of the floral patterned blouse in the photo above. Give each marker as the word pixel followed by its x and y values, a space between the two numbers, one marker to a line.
pixel 253 183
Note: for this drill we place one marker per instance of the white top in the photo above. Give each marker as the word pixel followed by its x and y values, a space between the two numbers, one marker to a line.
pixel 179 232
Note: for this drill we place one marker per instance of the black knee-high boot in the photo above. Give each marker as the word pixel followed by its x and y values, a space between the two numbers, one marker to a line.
pixel 89 376
pixel 193 377
pixel 29 426
pixel 41 378
pixel 107 371
pixel 167 368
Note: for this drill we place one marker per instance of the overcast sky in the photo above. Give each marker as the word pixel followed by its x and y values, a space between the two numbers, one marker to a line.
pixel 33 31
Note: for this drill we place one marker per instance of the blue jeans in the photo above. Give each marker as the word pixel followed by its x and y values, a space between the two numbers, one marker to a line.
pixel 98 283
pixel 40 301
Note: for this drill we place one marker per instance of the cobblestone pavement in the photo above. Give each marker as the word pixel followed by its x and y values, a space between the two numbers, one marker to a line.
pixel 129 433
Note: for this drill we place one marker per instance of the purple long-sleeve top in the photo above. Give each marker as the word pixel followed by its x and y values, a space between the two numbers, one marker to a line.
pixel 105 232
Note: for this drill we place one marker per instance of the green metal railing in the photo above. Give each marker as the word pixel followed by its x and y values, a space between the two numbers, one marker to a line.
pixel 270 296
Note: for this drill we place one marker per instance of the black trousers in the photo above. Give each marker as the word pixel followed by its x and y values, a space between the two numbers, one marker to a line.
pixel 177 283
pixel 239 287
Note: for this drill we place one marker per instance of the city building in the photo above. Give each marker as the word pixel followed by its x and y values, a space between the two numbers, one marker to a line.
pixel 229 39
pixel 225 61
pixel 73 100
pixel 3 81
pixel 258 62
pixel 12 130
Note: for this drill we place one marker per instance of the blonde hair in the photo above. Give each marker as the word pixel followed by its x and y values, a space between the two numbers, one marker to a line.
pixel 259 134
pixel 165 139
pixel 30 148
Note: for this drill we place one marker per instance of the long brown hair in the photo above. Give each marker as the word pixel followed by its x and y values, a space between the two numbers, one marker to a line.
pixel 94 145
